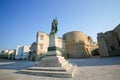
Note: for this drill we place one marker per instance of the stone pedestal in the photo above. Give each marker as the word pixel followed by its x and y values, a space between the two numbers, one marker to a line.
pixel 53 64
pixel 53 40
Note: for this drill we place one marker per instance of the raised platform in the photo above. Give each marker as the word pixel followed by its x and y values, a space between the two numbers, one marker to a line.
pixel 50 71
pixel 54 66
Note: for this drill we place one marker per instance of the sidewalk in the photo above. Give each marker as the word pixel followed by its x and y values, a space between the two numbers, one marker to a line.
pixel 88 69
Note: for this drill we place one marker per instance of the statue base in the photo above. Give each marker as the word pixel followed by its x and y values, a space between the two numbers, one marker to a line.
pixel 53 64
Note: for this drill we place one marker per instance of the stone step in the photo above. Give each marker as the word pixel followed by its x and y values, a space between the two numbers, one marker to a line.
pixel 47 73
pixel 66 65
pixel 50 71
pixel 72 70
pixel 47 68
pixel 61 60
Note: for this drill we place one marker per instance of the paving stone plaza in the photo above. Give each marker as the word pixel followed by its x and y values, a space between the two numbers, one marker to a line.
pixel 88 69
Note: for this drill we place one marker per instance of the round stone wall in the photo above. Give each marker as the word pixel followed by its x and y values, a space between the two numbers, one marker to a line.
pixel 75 37
pixel 76 42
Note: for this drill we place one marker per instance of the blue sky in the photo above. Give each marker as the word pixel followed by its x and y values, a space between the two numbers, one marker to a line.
pixel 20 20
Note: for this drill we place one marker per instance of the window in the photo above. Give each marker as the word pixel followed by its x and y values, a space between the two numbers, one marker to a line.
pixel 112 48
pixel 41 46
pixel 41 37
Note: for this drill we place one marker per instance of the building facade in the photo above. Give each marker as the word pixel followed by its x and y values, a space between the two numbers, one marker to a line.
pixel 22 52
pixel 42 41
pixel 7 54
pixel 74 44
pixel 77 45
pixel 109 42
pixel 32 52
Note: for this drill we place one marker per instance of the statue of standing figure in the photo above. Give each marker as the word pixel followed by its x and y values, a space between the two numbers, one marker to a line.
pixel 54 26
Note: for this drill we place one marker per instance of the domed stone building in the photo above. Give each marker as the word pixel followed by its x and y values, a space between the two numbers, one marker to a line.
pixel 77 45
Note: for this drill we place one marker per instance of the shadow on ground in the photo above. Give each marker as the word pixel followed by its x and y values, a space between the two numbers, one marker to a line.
pixel 96 61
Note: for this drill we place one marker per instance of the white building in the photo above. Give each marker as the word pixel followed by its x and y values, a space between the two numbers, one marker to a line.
pixel 22 52
pixel 4 51
pixel 42 41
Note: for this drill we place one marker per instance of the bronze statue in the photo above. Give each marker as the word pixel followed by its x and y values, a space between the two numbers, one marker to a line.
pixel 54 26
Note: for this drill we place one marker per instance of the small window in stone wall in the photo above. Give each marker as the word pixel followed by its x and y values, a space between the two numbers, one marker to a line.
pixel 41 37
pixel 112 48
pixel 41 46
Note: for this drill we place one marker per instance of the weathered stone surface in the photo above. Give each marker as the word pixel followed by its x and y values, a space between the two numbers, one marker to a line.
pixel 109 42
pixel 77 45
pixel 50 71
